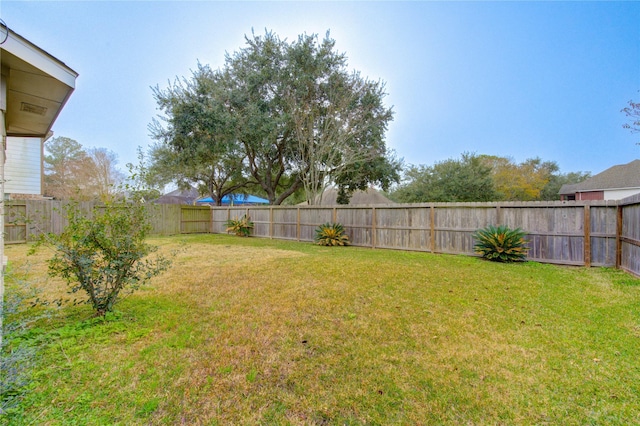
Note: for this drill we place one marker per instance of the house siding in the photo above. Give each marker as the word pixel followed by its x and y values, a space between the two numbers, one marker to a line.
pixel 592 195
pixel 22 169
pixel 619 194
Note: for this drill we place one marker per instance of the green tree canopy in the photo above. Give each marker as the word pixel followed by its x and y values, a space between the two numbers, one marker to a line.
pixel 339 121
pixel 484 178
pixel 197 144
pixel 278 117
pixel 65 162
pixel 520 182
pixel 551 190
pixel 453 180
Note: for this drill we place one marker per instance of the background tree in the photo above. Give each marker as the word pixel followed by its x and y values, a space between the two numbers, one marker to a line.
pixel 73 172
pixel 466 179
pixel 632 111
pixel 551 190
pixel 65 168
pixel 382 170
pixel 278 117
pixel 520 182
pixel 256 82
pixel 339 121
pixel 142 185
pixel 484 178
pixel 197 144
pixel 104 178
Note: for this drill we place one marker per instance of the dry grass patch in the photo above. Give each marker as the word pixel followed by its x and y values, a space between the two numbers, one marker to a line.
pixel 250 331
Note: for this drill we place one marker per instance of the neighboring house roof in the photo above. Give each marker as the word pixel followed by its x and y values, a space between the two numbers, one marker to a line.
pixel 179 196
pixel 616 177
pixel 369 197
pixel 568 189
pixel 238 199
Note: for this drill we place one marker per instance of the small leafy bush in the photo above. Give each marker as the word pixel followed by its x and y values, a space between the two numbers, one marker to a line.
pixel 501 243
pixel 104 252
pixel 331 234
pixel 242 227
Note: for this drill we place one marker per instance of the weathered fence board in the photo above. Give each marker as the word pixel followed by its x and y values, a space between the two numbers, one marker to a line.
pixel 195 219
pixel 399 229
pixel 555 234
pixel 260 216
pixel 311 218
pixel 357 223
pixel 454 226
pixel 603 235
pixel 15 223
pixel 284 223
pixel 219 219
pixel 165 219
pixel 629 238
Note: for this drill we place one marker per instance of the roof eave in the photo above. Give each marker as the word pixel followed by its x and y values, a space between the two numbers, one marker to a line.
pixel 36 86
pixel 34 55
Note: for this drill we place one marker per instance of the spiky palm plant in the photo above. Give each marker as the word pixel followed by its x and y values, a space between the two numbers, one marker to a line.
pixel 501 243
pixel 331 234
pixel 240 226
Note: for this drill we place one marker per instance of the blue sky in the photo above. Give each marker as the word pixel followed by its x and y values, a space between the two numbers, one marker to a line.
pixel 516 79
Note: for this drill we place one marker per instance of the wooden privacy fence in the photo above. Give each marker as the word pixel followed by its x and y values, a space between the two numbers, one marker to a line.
pixel 25 220
pixel 589 233
pixel 628 232
pixel 586 233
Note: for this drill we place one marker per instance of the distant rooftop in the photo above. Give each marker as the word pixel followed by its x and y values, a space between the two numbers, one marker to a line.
pixel 616 177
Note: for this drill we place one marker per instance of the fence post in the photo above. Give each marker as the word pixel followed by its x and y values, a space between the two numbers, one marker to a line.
pixel 373 227
pixel 432 227
pixel 210 220
pixel 619 217
pixel 27 219
pixel 271 222
pixel 587 236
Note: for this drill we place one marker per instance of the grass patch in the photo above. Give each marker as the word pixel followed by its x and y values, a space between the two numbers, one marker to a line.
pixel 256 331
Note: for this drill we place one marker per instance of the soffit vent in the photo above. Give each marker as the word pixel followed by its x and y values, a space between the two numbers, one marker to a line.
pixel 33 109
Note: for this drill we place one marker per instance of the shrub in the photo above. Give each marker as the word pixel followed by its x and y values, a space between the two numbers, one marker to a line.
pixel 17 353
pixel 105 252
pixel 331 234
pixel 501 243
pixel 242 227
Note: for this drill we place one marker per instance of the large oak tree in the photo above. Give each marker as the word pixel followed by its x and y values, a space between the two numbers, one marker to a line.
pixel 197 143
pixel 277 117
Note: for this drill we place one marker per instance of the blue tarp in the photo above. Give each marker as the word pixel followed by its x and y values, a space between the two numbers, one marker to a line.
pixel 237 200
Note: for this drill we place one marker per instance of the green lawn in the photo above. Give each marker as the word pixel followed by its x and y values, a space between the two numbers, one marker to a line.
pixel 253 331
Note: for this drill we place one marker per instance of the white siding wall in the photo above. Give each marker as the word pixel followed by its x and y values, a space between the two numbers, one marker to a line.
pixel 619 194
pixel 22 169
